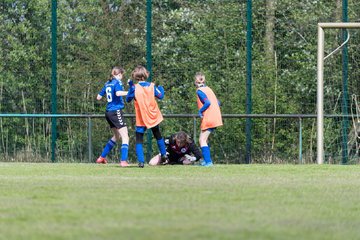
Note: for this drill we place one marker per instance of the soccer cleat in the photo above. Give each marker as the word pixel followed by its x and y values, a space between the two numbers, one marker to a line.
pixel 101 160
pixel 206 164
pixel 124 164
pixel 141 165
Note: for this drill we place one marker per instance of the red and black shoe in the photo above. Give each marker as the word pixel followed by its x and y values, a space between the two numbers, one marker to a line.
pixel 101 160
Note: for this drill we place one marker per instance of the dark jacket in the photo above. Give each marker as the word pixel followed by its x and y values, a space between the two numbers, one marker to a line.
pixel 176 153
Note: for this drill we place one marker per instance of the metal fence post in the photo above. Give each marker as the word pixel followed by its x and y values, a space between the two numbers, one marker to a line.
pixel 300 141
pixel 248 80
pixel 89 139
pixel 194 129
pixel 345 76
pixel 53 77
pixel 149 64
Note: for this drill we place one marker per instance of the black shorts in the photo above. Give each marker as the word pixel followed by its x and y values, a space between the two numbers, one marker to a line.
pixel 115 119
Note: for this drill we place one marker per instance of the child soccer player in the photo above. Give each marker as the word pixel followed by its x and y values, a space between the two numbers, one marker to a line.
pixel 147 112
pixel 113 89
pixel 181 150
pixel 209 111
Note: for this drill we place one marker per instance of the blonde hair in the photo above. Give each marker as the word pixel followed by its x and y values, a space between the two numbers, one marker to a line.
pixel 140 73
pixel 199 79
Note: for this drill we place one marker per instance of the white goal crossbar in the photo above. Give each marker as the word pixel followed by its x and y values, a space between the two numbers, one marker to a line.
pixel 320 82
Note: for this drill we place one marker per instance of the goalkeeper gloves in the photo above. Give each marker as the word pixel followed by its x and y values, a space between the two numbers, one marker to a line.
pixel 190 158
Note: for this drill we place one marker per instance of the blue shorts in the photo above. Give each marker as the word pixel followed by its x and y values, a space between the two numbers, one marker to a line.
pixel 210 129
pixel 140 129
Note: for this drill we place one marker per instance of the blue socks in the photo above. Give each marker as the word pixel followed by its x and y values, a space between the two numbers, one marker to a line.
pixel 161 146
pixel 110 144
pixel 140 152
pixel 124 152
pixel 206 154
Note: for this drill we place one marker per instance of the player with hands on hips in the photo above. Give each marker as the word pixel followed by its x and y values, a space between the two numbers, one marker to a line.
pixel 114 90
pixel 210 114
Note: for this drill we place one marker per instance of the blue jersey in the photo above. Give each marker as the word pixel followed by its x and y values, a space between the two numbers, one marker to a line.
pixel 158 91
pixel 110 88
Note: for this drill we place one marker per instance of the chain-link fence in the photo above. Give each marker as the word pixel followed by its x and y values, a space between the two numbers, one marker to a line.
pixel 184 37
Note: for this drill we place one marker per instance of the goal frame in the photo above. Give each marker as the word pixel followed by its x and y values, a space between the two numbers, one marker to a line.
pixel 320 82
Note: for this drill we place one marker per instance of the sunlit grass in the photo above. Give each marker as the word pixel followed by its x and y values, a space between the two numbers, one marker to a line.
pixel 88 201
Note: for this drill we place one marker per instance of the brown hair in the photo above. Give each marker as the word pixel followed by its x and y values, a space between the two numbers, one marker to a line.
pixel 183 137
pixel 140 73
pixel 115 71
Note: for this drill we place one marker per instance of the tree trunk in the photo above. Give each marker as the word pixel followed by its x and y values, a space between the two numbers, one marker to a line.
pixel 270 61
pixel 275 110
pixel 1 122
pixel 269 31
pixel 338 11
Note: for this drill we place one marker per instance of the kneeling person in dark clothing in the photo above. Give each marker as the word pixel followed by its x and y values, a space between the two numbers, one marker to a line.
pixel 181 149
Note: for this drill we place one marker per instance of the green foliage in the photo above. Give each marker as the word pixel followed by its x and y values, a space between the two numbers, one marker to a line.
pixel 187 37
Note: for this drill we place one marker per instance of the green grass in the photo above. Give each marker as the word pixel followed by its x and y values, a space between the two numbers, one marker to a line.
pixel 88 201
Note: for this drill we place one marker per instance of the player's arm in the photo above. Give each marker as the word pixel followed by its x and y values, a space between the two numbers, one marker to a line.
pixel 195 151
pixel 121 93
pixel 159 92
pixel 131 92
pixel 204 99
pixel 119 90
pixel 101 94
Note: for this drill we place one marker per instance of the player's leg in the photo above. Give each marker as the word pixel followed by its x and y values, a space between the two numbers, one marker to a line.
pixel 120 131
pixel 160 143
pixel 124 151
pixel 205 148
pixel 156 160
pixel 139 145
pixel 111 143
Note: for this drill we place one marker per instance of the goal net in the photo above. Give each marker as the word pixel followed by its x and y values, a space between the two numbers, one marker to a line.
pixel 338 93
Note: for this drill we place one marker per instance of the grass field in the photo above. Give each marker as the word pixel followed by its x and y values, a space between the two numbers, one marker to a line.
pixel 88 201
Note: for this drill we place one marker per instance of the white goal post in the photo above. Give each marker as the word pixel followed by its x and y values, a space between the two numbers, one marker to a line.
pixel 320 83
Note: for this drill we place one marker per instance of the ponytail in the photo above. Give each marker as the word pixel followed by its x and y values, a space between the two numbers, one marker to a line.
pixel 115 71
